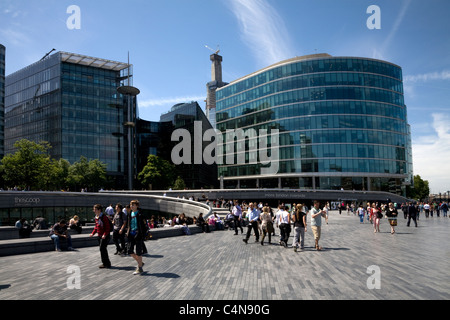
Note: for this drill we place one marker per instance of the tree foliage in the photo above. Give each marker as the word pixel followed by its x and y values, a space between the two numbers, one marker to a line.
pixel 87 174
pixel 158 174
pixel 421 189
pixel 30 167
pixel 179 184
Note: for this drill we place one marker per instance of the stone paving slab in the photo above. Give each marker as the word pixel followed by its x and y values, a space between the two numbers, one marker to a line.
pixel 412 264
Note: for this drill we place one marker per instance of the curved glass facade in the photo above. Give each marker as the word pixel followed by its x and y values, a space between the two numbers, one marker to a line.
pixel 342 124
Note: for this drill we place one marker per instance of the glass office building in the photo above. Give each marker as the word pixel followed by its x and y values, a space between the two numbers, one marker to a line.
pixel 152 138
pixel 184 116
pixel 342 124
pixel 71 101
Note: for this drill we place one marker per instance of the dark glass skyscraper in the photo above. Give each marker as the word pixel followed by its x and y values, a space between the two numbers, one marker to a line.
pixel 185 116
pixel 342 124
pixel 71 101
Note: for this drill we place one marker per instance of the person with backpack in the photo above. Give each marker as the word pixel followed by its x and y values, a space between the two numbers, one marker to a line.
pixel 103 229
pixel 120 225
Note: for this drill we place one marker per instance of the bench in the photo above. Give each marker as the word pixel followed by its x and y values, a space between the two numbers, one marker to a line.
pixel 8 233
pixel 45 243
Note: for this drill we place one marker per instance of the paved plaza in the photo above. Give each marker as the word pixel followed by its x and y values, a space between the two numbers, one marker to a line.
pixel 356 264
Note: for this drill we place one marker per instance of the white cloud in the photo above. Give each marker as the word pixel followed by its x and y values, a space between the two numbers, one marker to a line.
pixel 169 101
pixel 431 155
pixel 396 26
pixel 425 77
pixel 263 30
pixel 15 37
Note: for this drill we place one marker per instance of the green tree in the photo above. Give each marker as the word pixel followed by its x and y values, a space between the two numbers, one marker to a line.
pixel 179 184
pixel 29 166
pixel 157 173
pixel 84 173
pixel 58 173
pixel 78 172
pixel 96 174
pixel 421 189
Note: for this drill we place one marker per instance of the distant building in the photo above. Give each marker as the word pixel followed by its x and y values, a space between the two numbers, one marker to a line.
pixel 71 101
pixel 342 124
pixel 183 116
pixel 152 138
pixel 211 87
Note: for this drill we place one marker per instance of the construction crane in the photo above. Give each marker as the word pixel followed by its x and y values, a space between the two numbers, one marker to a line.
pixel 215 51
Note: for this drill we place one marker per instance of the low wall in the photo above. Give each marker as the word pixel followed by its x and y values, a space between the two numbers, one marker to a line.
pixel 45 243
pixel 171 205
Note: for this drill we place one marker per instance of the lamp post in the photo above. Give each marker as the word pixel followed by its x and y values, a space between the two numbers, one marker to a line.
pixel 130 92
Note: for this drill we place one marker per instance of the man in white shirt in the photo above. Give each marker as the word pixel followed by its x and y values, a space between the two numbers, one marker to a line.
pixel 253 216
pixel 110 211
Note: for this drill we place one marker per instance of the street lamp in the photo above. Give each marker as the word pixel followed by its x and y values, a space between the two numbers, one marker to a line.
pixel 131 93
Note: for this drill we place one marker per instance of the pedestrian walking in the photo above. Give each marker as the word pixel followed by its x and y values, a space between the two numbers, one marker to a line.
pixel 253 216
pixel 369 212
pixel 316 223
pixel 299 219
pixel 237 215
pixel 444 208
pixel 266 224
pixel 376 217
pixel 102 229
pixel 326 210
pixel 426 207
pixel 412 213
pixel 285 226
pixel 120 227
pixel 392 214
pixel 136 232
pixel 361 212
pixel 276 220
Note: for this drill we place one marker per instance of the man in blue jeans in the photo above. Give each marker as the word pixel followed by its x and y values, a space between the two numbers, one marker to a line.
pixel 59 232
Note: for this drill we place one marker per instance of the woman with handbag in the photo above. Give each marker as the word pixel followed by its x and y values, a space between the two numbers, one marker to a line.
pixel 391 214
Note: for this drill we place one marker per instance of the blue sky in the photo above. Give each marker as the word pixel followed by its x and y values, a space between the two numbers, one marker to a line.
pixel 166 40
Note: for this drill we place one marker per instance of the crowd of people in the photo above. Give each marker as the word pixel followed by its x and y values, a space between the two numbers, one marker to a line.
pixel 411 211
pixel 264 221
pixel 130 228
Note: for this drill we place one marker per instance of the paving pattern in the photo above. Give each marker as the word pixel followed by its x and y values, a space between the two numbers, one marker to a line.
pixel 411 264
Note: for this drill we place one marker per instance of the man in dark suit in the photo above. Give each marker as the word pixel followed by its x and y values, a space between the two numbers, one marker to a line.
pixel 412 213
